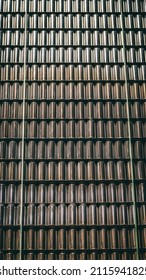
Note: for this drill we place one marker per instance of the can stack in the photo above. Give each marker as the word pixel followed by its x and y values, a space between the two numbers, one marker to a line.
pixel 81 199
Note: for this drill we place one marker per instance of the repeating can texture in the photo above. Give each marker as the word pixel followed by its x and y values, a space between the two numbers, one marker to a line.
pixel 72 130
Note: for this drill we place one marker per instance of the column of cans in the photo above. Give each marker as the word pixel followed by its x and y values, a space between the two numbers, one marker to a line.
pixel 11 92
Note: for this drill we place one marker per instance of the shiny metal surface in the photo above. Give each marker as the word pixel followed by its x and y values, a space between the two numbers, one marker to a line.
pixel 77 193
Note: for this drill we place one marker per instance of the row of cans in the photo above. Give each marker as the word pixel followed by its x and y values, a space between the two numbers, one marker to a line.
pixel 72 110
pixel 71 55
pixel 68 21
pixel 87 92
pixel 71 6
pixel 72 193
pixel 72 21
pixel 72 129
pixel 71 72
pixel 69 37
pixel 72 214
pixel 83 239
pixel 65 21
pixel 72 171
pixel 69 150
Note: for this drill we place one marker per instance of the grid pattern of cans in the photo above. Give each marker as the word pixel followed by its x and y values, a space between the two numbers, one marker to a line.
pixel 78 181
